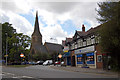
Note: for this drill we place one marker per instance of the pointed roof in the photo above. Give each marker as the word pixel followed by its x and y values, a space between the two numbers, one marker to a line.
pixel 53 47
pixel 40 48
pixel 36 27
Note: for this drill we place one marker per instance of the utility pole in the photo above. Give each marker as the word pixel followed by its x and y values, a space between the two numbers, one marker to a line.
pixel 6 49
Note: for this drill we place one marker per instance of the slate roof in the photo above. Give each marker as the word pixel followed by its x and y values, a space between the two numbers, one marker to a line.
pixel 80 33
pixel 90 31
pixel 84 34
pixel 68 39
pixel 40 48
pixel 52 47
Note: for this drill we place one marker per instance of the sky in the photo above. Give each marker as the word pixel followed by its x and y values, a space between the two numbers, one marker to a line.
pixel 58 19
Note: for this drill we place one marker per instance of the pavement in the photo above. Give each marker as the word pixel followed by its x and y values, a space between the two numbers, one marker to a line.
pixel 86 70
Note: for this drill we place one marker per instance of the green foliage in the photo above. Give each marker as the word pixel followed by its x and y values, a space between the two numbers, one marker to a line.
pixel 7 32
pixel 17 43
pixel 41 56
pixel 109 13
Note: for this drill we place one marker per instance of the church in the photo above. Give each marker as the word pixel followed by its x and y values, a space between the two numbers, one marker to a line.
pixel 37 46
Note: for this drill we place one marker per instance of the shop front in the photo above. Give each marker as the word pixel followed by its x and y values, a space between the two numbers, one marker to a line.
pixel 67 58
pixel 73 59
pixel 86 57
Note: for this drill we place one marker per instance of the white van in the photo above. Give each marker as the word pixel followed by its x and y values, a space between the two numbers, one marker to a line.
pixel 47 62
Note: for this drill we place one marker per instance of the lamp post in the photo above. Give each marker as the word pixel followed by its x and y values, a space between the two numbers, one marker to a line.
pixel 6 49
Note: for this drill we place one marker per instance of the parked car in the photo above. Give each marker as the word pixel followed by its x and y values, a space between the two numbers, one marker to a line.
pixel 32 63
pixel 24 63
pixel 57 63
pixel 39 62
pixel 47 62
pixel 62 62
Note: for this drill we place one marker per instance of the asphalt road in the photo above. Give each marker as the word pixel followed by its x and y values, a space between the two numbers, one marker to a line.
pixel 39 72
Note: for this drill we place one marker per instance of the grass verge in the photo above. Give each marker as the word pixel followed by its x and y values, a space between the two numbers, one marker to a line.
pixel 18 66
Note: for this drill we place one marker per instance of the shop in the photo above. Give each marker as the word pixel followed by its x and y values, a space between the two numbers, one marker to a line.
pixel 73 59
pixel 67 58
pixel 86 57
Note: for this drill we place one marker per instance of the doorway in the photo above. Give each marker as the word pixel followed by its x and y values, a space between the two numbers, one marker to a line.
pixel 73 61
pixel 84 60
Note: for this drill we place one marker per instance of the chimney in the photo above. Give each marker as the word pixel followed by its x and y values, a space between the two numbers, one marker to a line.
pixel 83 28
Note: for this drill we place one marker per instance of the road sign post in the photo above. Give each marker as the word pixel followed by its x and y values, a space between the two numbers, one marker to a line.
pixel 60 56
pixel 22 56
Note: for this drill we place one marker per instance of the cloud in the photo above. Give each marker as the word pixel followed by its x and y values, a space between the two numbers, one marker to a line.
pixel 18 22
pixel 16 6
pixel 55 7
pixel 78 12
pixel 49 14
pixel 55 32
pixel 85 12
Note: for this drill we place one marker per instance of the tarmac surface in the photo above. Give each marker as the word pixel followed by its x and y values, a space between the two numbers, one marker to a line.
pixel 39 72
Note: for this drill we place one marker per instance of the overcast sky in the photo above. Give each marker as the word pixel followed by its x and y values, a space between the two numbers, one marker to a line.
pixel 58 19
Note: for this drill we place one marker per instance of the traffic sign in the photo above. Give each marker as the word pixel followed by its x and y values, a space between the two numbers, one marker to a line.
pixel 60 56
pixel 6 55
pixel 21 55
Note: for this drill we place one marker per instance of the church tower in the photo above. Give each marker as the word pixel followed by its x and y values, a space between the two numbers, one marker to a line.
pixel 36 36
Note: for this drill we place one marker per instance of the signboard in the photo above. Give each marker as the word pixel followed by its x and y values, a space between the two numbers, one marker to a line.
pixel 6 56
pixel 66 51
pixel 66 48
pixel 84 50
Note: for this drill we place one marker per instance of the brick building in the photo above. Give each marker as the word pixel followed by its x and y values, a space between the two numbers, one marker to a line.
pixel 84 49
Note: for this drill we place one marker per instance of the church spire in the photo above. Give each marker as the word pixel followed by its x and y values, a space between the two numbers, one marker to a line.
pixel 36 36
pixel 36 28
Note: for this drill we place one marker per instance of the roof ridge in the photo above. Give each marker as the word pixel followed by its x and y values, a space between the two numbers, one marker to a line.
pixel 52 43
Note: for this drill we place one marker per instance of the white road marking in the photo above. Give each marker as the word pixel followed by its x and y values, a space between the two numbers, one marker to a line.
pixel 3 73
pixel 10 73
pixel 27 77
pixel 14 77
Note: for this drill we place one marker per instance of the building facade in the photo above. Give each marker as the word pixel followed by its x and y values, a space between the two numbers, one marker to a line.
pixel 84 49
pixel 36 42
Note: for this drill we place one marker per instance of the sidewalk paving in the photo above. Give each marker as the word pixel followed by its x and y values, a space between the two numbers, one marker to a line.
pixel 86 70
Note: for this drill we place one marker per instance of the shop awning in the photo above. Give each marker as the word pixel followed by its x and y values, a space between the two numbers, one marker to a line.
pixel 66 54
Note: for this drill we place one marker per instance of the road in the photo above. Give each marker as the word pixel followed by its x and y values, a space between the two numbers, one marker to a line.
pixel 41 72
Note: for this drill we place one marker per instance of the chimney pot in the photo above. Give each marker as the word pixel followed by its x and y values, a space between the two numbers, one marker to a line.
pixel 83 28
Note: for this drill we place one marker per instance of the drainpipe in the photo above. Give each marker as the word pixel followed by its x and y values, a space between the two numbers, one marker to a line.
pixel 95 58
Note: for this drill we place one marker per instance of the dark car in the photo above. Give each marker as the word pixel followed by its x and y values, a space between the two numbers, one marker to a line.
pixel 24 63
pixel 39 62
pixel 32 63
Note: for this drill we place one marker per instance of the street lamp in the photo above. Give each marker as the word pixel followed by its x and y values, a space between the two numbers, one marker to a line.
pixel 6 48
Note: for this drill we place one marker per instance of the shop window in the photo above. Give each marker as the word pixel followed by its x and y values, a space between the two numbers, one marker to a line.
pixel 99 58
pixel 79 59
pixel 90 58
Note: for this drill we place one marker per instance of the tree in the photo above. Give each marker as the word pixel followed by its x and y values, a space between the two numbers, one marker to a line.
pixel 9 30
pixel 109 16
pixel 17 43
pixel 41 56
